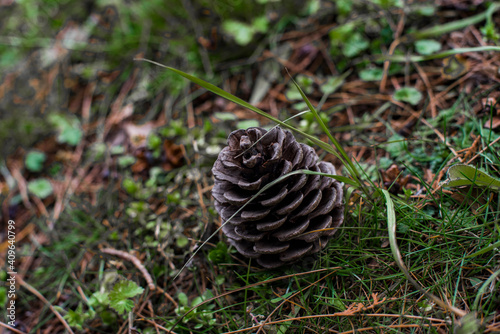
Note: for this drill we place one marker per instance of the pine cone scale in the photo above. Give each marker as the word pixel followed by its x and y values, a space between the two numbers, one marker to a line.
pixel 276 198
pixel 291 203
pixel 270 246
pixel 253 215
pixel 295 252
pixel 310 203
pixel 270 225
pixel 291 231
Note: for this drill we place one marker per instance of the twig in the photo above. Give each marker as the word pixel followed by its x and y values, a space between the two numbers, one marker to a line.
pixel 156 325
pixel 484 149
pixel 11 328
pixel 21 183
pixel 392 48
pixel 135 261
pixel 428 87
pixel 34 291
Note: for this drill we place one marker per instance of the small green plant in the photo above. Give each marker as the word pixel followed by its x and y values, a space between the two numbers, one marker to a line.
pixel 489 31
pixel 242 32
pixel 219 254
pixel 154 144
pixel 68 127
pixel 119 299
pixel 408 94
pixel 41 188
pixel 126 161
pixel 34 161
pixel 427 46
pixel 348 40
pixel 202 316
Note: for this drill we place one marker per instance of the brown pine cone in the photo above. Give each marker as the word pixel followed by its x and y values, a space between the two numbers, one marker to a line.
pixel 274 227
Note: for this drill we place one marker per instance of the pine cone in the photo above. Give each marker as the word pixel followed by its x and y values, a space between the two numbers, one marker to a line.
pixel 274 227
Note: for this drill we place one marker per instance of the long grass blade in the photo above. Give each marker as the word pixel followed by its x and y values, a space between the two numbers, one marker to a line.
pixel 483 289
pixel 237 100
pixel 391 224
pixel 344 157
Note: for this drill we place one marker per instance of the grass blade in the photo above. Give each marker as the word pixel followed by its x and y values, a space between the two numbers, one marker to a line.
pixel 444 54
pixel 484 250
pixel 483 288
pixel 391 224
pixel 344 157
pixel 237 100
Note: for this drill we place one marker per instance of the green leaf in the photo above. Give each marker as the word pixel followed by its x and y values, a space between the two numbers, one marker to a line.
pixel 427 46
pixel 281 298
pixel 426 10
pixel 489 31
pixel 292 94
pixel 34 161
pixel 3 296
pixel 341 34
pixel 241 32
pixel 122 305
pixel 344 7
pixel 68 128
pixel 183 299
pixel 118 298
pixel 126 161
pixel 181 241
pixel 395 145
pixel 154 141
pixel 249 123
pixel 125 289
pixel 371 74
pixel 40 188
pixel 70 135
pixel 469 324
pixel 354 45
pixel 261 24
pixel 408 94
pixel 219 254
pixel 465 175
pixel 130 186
pixel 225 116
pixel 76 318
pixel 99 299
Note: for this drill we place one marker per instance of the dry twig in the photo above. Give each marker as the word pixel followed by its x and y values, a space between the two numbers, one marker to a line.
pixel 34 291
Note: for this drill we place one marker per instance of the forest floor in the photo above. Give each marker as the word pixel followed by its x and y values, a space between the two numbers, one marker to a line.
pixel 106 179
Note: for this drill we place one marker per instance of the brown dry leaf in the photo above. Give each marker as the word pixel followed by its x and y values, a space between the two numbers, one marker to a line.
pixel 454 67
pixel 493 123
pixel 173 153
pixel 141 164
pixel 138 134
pixel 392 177
pixel 116 118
